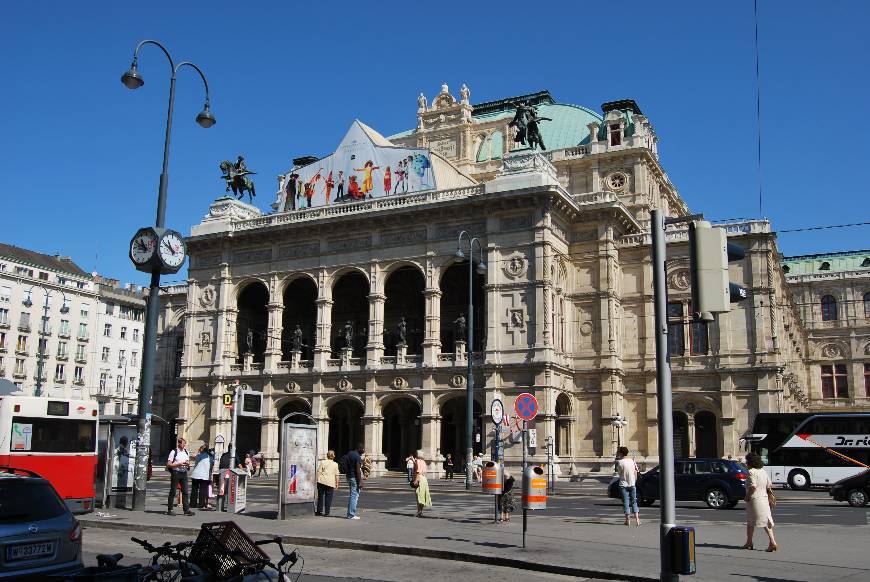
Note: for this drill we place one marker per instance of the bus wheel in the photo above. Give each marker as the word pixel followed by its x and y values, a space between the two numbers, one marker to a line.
pixel 857 497
pixel 799 480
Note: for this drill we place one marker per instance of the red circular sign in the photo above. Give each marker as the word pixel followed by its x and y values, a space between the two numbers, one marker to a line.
pixel 526 406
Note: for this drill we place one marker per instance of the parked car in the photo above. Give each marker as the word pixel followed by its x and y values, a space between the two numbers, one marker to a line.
pixel 854 489
pixel 720 483
pixel 38 534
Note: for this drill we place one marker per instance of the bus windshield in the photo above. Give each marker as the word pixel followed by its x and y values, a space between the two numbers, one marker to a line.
pixel 52 435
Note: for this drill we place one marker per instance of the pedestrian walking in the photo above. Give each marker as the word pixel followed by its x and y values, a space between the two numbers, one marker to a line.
pixel 353 461
pixel 409 467
pixel 178 464
pixel 327 483
pixel 421 484
pixel 627 471
pixel 199 478
pixel 448 467
pixel 261 463
pixel 506 502
pixel 255 463
pixel 249 464
pixel 759 500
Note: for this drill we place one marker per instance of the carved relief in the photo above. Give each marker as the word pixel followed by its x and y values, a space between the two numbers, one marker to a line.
pixel 867 349
pixel 617 181
pixel 343 385
pixel 399 383
pixel 205 340
pixel 516 319
pixel 586 329
pixel 679 280
pixel 293 386
pixel 457 381
pixel 831 351
pixel 515 266
pixel 207 296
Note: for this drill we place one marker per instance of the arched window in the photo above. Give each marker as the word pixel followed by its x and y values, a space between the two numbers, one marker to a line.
pixel 826 266
pixel 483 151
pixel 497 145
pixel 829 308
pixel 786 268
pixel 867 304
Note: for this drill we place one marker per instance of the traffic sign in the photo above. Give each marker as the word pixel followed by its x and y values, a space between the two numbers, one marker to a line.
pixel 228 400
pixel 526 406
pixel 496 410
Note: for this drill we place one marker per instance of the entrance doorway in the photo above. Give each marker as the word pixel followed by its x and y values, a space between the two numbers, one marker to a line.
pixel 705 435
pixel 345 426
pixel 681 435
pixel 402 433
pixel 453 429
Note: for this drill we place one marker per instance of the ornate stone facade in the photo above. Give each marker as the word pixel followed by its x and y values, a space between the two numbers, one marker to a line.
pixel 564 308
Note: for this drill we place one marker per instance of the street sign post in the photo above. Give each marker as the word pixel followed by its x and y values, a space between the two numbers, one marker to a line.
pixel 526 407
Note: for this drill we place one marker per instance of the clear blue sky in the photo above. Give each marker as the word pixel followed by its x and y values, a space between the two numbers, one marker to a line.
pixel 82 153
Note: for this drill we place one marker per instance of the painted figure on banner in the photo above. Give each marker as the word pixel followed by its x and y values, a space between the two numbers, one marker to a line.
pixel 401 177
pixel 339 192
pixel 290 187
pixel 388 180
pixel 353 189
pixel 330 184
pixel 367 169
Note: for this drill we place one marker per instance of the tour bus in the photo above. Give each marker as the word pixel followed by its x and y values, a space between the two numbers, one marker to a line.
pixel 55 438
pixel 806 449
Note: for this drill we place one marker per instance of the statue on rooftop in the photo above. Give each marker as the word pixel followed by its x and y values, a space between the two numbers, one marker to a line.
pixel 526 122
pixel 235 174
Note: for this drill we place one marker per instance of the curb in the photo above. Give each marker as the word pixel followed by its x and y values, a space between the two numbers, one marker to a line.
pixel 485 559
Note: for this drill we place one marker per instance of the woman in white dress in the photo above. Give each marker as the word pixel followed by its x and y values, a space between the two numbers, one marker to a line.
pixel 758 503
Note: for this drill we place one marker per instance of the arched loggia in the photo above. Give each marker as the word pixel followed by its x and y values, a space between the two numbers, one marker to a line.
pixel 252 323
pixel 404 300
pixel 454 302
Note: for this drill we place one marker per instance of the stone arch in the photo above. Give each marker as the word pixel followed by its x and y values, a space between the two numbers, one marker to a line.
pixel 334 276
pixel 350 307
pixel 453 282
pixel 299 300
pixel 285 281
pixel 452 411
pixel 706 434
pixel 345 423
pixel 681 434
pixel 404 299
pixel 402 428
pixel 252 319
pixel 242 284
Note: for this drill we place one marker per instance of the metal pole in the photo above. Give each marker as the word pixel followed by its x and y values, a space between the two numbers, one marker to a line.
pixel 525 485
pixel 663 393
pixel 236 393
pixel 469 383
pixel 40 346
pixel 149 335
pixel 495 456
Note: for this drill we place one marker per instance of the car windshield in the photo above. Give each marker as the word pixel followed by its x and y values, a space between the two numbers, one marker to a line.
pixel 24 500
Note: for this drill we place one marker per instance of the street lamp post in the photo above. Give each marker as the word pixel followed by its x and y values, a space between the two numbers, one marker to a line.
pixel 619 422
pixel 469 381
pixel 133 80
pixel 123 364
pixel 40 346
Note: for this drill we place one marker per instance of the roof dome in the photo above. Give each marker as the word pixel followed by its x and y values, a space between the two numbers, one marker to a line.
pixel 567 129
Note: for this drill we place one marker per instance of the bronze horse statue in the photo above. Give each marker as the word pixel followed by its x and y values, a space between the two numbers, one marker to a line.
pixel 238 181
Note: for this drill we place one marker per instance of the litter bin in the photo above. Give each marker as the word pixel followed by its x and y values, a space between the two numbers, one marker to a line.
pixel 493 481
pixel 683 549
pixel 534 488
pixel 236 491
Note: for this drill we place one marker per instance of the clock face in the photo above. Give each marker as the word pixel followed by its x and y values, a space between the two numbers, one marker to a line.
pixel 142 247
pixel 172 250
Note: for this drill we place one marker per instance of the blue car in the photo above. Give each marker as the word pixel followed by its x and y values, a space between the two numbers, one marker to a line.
pixel 720 483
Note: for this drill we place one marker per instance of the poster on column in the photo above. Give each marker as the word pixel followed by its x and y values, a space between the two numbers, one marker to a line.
pixel 300 460
pixel 124 459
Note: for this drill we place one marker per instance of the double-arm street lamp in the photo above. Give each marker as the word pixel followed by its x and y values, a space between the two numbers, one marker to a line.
pixel 43 329
pixel 150 251
pixel 618 422
pixel 469 381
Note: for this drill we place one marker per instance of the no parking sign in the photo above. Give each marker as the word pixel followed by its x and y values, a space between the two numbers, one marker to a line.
pixel 526 406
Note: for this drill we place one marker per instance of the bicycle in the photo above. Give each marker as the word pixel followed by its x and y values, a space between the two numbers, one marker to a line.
pixel 170 563
pixel 109 569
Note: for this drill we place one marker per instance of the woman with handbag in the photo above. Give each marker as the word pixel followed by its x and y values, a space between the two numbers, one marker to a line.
pixel 420 484
pixel 627 470
pixel 759 500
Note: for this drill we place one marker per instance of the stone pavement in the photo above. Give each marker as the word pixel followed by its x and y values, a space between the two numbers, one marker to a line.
pixel 578 546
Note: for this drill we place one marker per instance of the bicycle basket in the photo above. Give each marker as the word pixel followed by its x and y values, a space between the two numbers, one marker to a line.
pixel 225 550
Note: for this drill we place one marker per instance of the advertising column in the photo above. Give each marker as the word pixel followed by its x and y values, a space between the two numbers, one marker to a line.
pixel 298 470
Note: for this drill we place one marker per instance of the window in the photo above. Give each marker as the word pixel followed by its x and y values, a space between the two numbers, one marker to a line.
pixel 835 382
pixel 825 266
pixel 24 321
pixel 866 305
pixel 117 409
pixel 110 308
pixel 107 330
pixel 133 358
pixel 80 284
pixel 4 317
pixel 105 356
pixel 2 340
pixel 21 346
pixel 132 384
pixel 61 350
pixel 43 345
pixel 44 326
pixel 864 263
pixel 85 308
pixel 83 330
pixel 137 314
pixel 79 375
pixel 676 335
pixel 130 408
pixel 699 338
pixel 179 353
pixel 124 311
pixel 5 294
pixel 866 379
pixel 119 383
pixel 59 435
pixel 64 327
pixel 136 331
pixel 829 308
pixel 615 135
pixel 786 268
pixel 122 358
pixel 43 275
pixel 123 333
pixel 104 377
pixel 59 371
pixel 19 368
pixel 80 352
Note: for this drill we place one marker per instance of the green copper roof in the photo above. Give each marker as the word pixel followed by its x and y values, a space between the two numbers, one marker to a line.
pixel 827 263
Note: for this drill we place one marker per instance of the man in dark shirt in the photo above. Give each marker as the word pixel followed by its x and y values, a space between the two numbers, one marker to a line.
pixel 354 479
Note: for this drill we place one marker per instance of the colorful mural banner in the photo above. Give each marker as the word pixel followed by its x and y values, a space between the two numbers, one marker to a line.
pixel 358 170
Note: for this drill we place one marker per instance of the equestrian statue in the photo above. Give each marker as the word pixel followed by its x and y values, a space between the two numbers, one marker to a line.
pixel 236 176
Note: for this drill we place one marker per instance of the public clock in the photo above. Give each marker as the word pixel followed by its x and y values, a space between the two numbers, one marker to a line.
pixel 143 247
pixel 172 251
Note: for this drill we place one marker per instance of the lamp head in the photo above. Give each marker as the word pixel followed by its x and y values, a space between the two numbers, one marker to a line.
pixel 27 302
pixel 64 309
pixel 132 79
pixel 460 256
pixel 205 117
pixel 481 268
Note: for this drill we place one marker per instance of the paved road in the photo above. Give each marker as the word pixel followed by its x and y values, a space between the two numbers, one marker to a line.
pixel 584 502
pixel 327 564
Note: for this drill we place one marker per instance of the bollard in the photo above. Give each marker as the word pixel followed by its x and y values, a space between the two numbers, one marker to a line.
pixel 535 489
pixel 492 481
pixel 682 549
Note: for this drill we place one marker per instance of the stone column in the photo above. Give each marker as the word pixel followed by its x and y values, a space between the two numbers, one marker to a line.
pixel 372 430
pixel 274 350
pixel 321 417
pixel 322 344
pixel 691 430
pixel 375 346
pixel 430 443
pixel 432 333
pixel 226 317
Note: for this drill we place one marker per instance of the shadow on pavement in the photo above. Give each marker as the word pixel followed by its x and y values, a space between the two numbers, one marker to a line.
pixel 476 543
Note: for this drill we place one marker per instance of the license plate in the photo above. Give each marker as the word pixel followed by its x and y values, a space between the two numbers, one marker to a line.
pixel 29 551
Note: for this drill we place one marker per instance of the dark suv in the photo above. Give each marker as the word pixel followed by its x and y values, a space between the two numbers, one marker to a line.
pixel 720 483
pixel 38 534
pixel 854 489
